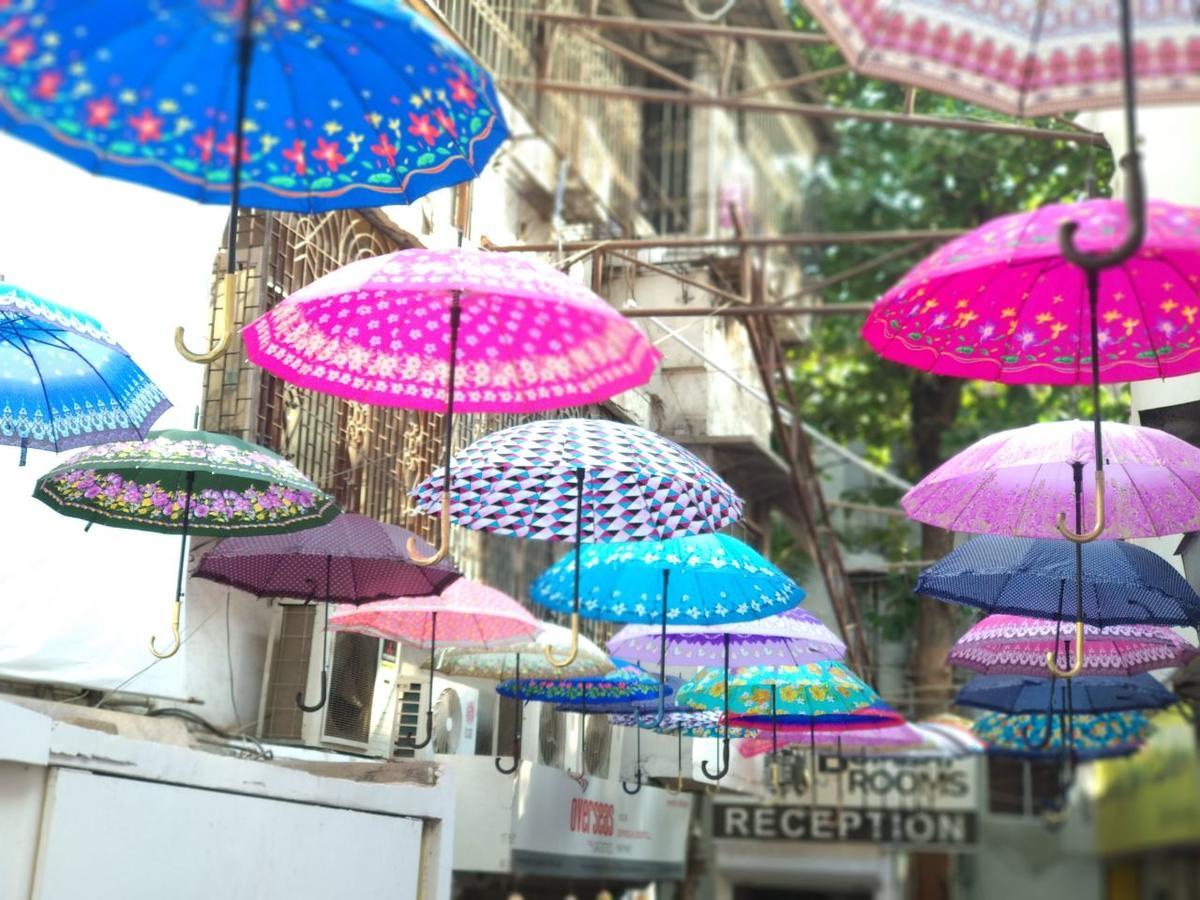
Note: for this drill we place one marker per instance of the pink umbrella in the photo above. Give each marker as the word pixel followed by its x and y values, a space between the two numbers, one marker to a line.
pixel 890 737
pixel 466 614
pixel 1017 645
pixel 1002 303
pixel 452 331
pixel 1006 482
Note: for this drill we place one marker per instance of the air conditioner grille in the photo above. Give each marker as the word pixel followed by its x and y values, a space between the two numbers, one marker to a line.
pixel 598 737
pixel 282 719
pixel 351 687
pixel 550 743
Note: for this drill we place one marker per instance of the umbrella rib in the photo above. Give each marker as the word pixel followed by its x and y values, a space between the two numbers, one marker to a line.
pixel 1143 322
pixel 63 345
pixel 45 395
pixel 1165 259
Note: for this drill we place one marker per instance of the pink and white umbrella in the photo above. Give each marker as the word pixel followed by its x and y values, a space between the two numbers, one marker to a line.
pixel 465 614
pixel 1017 645
pixel 1009 482
pixel 452 331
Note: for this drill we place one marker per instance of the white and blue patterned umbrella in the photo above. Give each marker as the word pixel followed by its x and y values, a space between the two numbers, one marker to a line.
pixel 526 481
pixel 64 381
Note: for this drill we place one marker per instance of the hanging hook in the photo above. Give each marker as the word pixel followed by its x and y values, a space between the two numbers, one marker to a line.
pixel 412 744
pixel 724 769
pixel 638 782
pixel 1044 741
pixel 517 726
pixel 176 641
pixel 1088 536
pixel 1073 668
pixel 624 785
pixel 661 714
pixel 414 549
pixel 229 283
pixel 324 651
pixel 574 651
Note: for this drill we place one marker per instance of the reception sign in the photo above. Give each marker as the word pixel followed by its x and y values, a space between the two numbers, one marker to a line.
pixel 590 828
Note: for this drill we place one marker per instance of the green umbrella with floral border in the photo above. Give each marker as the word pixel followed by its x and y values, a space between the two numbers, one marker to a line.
pixel 186 482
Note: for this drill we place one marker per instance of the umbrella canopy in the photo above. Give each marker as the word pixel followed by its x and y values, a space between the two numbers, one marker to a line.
pixel 1123 584
pixel 584 694
pixel 693 723
pixel 1013 482
pixel 347 103
pixel 225 485
pixel 958 313
pixel 1091 736
pixel 468 614
pixel 351 559
pixel 714 579
pixel 500 664
pixel 810 694
pixel 64 381
pixel 627 705
pixel 1014 694
pixel 525 337
pixel 790 638
pixel 1023 60
pixel 525 481
pixel 1017 645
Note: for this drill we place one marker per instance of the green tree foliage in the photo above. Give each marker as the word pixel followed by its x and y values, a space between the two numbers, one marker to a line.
pixel 884 177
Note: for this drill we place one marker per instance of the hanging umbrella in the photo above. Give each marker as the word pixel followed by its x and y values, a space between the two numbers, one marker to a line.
pixel 627 484
pixel 351 559
pixel 532 339
pixel 1004 483
pixel 1017 645
pixel 185 482
pixel 1123 584
pixel 64 381
pixel 527 659
pixel 818 692
pixel 1097 736
pixel 879 739
pixel 679 721
pixel 464 614
pixel 790 638
pixel 717 579
pixel 1080 696
pixel 1020 60
pixel 598 693
pixel 296 107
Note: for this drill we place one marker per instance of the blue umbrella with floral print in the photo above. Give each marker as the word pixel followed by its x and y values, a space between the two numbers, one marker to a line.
pixel 64 381
pixel 292 105
pixel 703 579
pixel 186 482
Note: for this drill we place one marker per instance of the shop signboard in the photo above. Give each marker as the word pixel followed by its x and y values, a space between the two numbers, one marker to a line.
pixel 914 804
pixel 590 828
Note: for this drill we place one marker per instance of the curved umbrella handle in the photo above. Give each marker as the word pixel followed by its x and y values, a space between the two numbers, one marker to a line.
pixel 1088 536
pixel 444 539
pixel 324 695
pixel 573 652
pixel 1076 666
pixel 222 343
pixel 724 769
pixel 176 640
pixel 516 760
pixel 413 745
pixel 1044 741
pixel 1135 208
pixel 638 782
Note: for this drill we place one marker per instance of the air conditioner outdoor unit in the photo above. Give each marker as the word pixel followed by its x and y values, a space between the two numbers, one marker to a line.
pixel 455 718
pixel 360 705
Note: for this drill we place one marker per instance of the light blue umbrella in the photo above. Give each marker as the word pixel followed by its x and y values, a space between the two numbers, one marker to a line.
pixel 64 381
pixel 704 579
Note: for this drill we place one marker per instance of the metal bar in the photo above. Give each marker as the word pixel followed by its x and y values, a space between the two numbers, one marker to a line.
pixel 636 59
pixel 744 310
pixel 861 268
pixel 683 279
pixel 795 81
pixel 686 242
pixel 697 29
pixel 808 110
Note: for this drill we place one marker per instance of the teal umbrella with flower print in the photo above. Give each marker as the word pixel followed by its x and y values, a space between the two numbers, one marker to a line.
pixel 186 482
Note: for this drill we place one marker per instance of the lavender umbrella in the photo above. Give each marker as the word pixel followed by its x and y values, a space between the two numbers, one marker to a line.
pixel 352 559
pixel 1016 645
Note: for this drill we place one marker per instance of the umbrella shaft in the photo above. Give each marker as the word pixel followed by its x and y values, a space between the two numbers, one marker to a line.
pixel 245 52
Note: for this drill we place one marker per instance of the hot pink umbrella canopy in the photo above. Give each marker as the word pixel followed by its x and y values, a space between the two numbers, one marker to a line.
pixel 1002 304
pixel 1013 482
pixel 378 331
pixel 1016 645
pixel 469 614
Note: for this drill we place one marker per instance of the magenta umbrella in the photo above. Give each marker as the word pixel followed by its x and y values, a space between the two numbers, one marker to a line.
pixel 1005 482
pixel 452 331
pixel 466 614
pixel 351 559
pixel 1017 645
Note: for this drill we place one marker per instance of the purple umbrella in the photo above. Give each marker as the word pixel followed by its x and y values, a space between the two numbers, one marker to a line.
pixel 352 559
